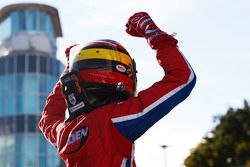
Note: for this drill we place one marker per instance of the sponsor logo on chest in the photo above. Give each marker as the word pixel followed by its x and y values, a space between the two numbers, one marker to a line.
pixel 77 139
pixel 78 135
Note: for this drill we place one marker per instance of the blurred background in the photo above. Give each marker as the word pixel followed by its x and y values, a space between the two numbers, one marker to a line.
pixel 211 128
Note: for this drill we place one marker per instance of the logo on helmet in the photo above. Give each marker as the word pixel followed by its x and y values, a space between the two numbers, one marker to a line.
pixel 121 68
pixel 72 98
pixel 76 139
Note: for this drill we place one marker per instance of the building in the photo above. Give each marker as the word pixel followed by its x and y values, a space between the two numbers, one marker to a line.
pixel 28 71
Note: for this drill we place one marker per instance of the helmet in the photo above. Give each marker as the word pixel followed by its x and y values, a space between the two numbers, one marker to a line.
pixel 105 69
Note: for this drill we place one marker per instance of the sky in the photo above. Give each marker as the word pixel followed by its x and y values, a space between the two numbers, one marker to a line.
pixel 214 36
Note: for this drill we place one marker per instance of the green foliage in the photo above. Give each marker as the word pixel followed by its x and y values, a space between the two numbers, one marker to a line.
pixel 228 145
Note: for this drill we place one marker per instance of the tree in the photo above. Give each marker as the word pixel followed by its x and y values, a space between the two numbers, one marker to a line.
pixel 228 144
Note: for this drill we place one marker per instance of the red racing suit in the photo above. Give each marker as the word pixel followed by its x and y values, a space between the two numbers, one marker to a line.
pixel 105 136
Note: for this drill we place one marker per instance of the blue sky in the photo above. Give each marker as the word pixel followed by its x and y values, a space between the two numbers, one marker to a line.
pixel 213 35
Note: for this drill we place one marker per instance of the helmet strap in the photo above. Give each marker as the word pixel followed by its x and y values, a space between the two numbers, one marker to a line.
pixel 77 99
pixel 83 97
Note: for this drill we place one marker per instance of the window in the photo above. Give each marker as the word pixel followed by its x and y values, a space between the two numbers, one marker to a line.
pixel 30 103
pixel 10 104
pixel 42 21
pixel 32 63
pixel 2 102
pixel 20 161
pixel 43 83
pixel 10 160
pixel 53 161
pixel 20 83
pixel 10 145
pixel 20 150
pixel 2 150
pixel 42 102
pixel 2 66
pixel 5 28
pixel 51 66
pixel 2 160
pixel 31 122
pixel 42 145
pixel 57 68
pixel 14 22
pixel 10 84
pixel 43 64
pixel 20 122
pixel 49 27
pixel 2 129
pixel 21 20
pixel 51 83
pixel 2 94
pixel 10 124
pixel 10 63
pixel 31 16
pixel 31 149
pixel 19 144
pixel 20 63
pixel 43 161
pixel 2 84
pixel 61 68
pixel 20 103
pixel 2 145
pixel 31 81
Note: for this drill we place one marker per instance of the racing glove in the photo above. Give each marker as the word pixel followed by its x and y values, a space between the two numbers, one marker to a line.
pixel 142 25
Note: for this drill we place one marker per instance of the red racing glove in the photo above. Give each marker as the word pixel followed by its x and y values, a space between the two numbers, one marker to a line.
pixel 142 25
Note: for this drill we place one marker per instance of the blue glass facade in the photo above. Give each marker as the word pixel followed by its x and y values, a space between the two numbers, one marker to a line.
pixel 29 78
pixel 25 82
pixel 27 20
pixel 26 79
